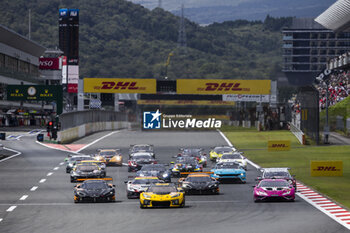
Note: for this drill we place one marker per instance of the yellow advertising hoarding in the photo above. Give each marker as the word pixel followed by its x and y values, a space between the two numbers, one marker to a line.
pixel 280 145
pixel 326 168
pixel 186 102
pixel 120 85
pixel 223 86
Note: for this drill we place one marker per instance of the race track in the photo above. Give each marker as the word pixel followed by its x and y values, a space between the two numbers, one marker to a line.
pixel 49 208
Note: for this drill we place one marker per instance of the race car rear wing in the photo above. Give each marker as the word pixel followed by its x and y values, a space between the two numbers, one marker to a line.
pixel 185 174
pixel 105 178
pixel 274 169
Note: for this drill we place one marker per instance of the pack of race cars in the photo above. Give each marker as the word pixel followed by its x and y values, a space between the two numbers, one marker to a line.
pixel 166 185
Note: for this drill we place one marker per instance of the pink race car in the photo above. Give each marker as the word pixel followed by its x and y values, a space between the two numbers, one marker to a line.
pixel 269 189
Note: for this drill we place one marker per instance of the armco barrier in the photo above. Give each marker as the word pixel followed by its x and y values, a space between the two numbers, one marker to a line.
pixel 297 133
pixel 71 134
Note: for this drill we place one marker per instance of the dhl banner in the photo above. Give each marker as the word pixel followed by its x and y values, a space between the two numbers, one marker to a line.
pixel 186 102
pixel 120 85
pixel 326 168
pixel 278 145
pixel 223 86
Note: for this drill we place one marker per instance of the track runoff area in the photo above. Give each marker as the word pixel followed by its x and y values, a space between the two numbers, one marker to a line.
pixel 36 194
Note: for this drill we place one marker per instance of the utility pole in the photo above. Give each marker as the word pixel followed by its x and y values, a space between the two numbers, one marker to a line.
pixel 160 3
pixel 29 24
pixel 181 42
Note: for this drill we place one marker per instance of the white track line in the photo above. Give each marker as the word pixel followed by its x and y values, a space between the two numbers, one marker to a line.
pixel 11 208
pixel 23 197
pixel 56 168
pixel 97 140
pixel 61 163
pixel 317 203
pixel 230 144
pixel 34 188
pixel 49 174
pixel 12 156
pixel 0 219
pixel 42 180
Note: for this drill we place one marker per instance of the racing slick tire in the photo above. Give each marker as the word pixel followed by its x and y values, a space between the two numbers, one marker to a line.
pixel 72 180
pixel 182 204
pixel 129 169
pixel 142 206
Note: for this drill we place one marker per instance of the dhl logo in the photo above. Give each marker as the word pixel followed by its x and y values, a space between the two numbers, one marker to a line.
pixel 279 145
pixel 119 86
pixel 229 86
pixel 326 168
pixel 223 87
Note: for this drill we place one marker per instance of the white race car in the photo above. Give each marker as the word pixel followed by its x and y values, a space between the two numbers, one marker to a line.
pixel 139 185
pixel 233 157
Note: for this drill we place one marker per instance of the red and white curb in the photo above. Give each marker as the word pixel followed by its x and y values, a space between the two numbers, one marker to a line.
pixel 325 205
pixel 73 148
pixel 328 207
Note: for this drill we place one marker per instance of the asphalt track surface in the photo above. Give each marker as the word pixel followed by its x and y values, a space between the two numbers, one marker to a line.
pixel 50 207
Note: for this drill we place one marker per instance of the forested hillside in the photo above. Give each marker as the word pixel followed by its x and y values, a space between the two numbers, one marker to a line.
pixel 121 39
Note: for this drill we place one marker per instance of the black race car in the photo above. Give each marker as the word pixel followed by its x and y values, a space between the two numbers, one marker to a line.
pixel 185 164
pixel 157 170
pixel 82 171
pixel 141 148
pixel 139 159
pixel 198 153
pixel 199 183
pixel 94 190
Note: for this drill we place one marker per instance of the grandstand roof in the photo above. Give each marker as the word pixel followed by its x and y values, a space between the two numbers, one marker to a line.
pixel 336 17
pixel 15 40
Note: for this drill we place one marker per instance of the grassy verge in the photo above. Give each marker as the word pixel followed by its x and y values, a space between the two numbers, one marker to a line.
pixel 254 145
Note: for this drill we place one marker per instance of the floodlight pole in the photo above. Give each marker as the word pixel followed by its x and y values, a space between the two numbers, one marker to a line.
pixel 326 127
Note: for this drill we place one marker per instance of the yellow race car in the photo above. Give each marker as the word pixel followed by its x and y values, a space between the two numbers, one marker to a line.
pixel 162 195
pixel 218 151
pixel 110 157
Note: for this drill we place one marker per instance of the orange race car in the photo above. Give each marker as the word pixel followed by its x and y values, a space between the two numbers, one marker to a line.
pixel 110 157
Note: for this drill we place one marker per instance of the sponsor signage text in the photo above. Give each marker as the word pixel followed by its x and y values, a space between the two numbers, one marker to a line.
pixel 326 168
pixel 119 85
pixel 47 63
pixel 278 145
pixel 246 98
pixel 33 92
pixel 223 86
pixel 186 102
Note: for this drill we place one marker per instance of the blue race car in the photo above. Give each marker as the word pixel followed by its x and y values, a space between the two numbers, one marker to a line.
pixel 229 171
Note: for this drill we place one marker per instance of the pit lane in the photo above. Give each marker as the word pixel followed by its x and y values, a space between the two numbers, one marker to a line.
pixel 50 207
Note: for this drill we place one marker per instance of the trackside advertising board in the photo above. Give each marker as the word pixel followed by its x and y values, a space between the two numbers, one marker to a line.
pixel 120 85
pixel 326 168
pixel 223 86
pixel 281 145
pixel 186 102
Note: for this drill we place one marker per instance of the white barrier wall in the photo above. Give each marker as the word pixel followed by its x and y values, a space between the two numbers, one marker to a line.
pixel 71 134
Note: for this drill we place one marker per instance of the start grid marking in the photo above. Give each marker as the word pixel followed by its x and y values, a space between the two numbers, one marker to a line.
pixel 322 203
